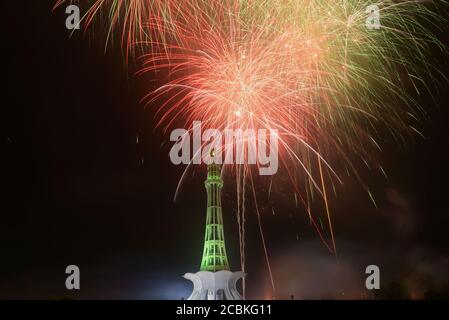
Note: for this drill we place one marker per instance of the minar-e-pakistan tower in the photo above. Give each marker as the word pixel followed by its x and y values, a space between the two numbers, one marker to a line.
pixel 214 281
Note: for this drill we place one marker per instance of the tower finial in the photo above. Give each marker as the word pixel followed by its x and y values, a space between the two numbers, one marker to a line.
pixel 212 155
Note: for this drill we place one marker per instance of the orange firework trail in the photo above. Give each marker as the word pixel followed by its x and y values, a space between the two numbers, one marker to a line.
pixel 316 71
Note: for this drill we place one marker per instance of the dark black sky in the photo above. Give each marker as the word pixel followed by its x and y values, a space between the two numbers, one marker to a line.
pixel 77 189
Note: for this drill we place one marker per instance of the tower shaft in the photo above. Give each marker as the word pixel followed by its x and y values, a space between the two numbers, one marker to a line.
pixel 214 281
pixel 214 253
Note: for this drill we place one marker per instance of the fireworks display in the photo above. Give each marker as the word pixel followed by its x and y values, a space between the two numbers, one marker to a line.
pixel 322 73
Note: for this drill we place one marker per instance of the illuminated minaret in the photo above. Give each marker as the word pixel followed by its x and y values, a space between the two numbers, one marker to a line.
pixel 214 253
pixel 214 281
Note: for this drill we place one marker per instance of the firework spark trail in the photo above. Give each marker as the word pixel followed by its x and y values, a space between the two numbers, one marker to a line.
pixel 243 232
pixel 259 220
pixel 329 220
pixel 128 19
pixel 240 190
pixel 310 69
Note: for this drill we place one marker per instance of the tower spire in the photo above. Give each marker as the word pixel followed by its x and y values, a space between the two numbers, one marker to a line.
pixel 214 252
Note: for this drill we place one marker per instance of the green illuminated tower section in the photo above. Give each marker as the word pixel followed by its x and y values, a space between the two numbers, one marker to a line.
pixel 214 253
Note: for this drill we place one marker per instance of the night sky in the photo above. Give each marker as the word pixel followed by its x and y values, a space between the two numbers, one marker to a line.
pixel 78 189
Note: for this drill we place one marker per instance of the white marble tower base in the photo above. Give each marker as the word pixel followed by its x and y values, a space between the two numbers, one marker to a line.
pixel 221 285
